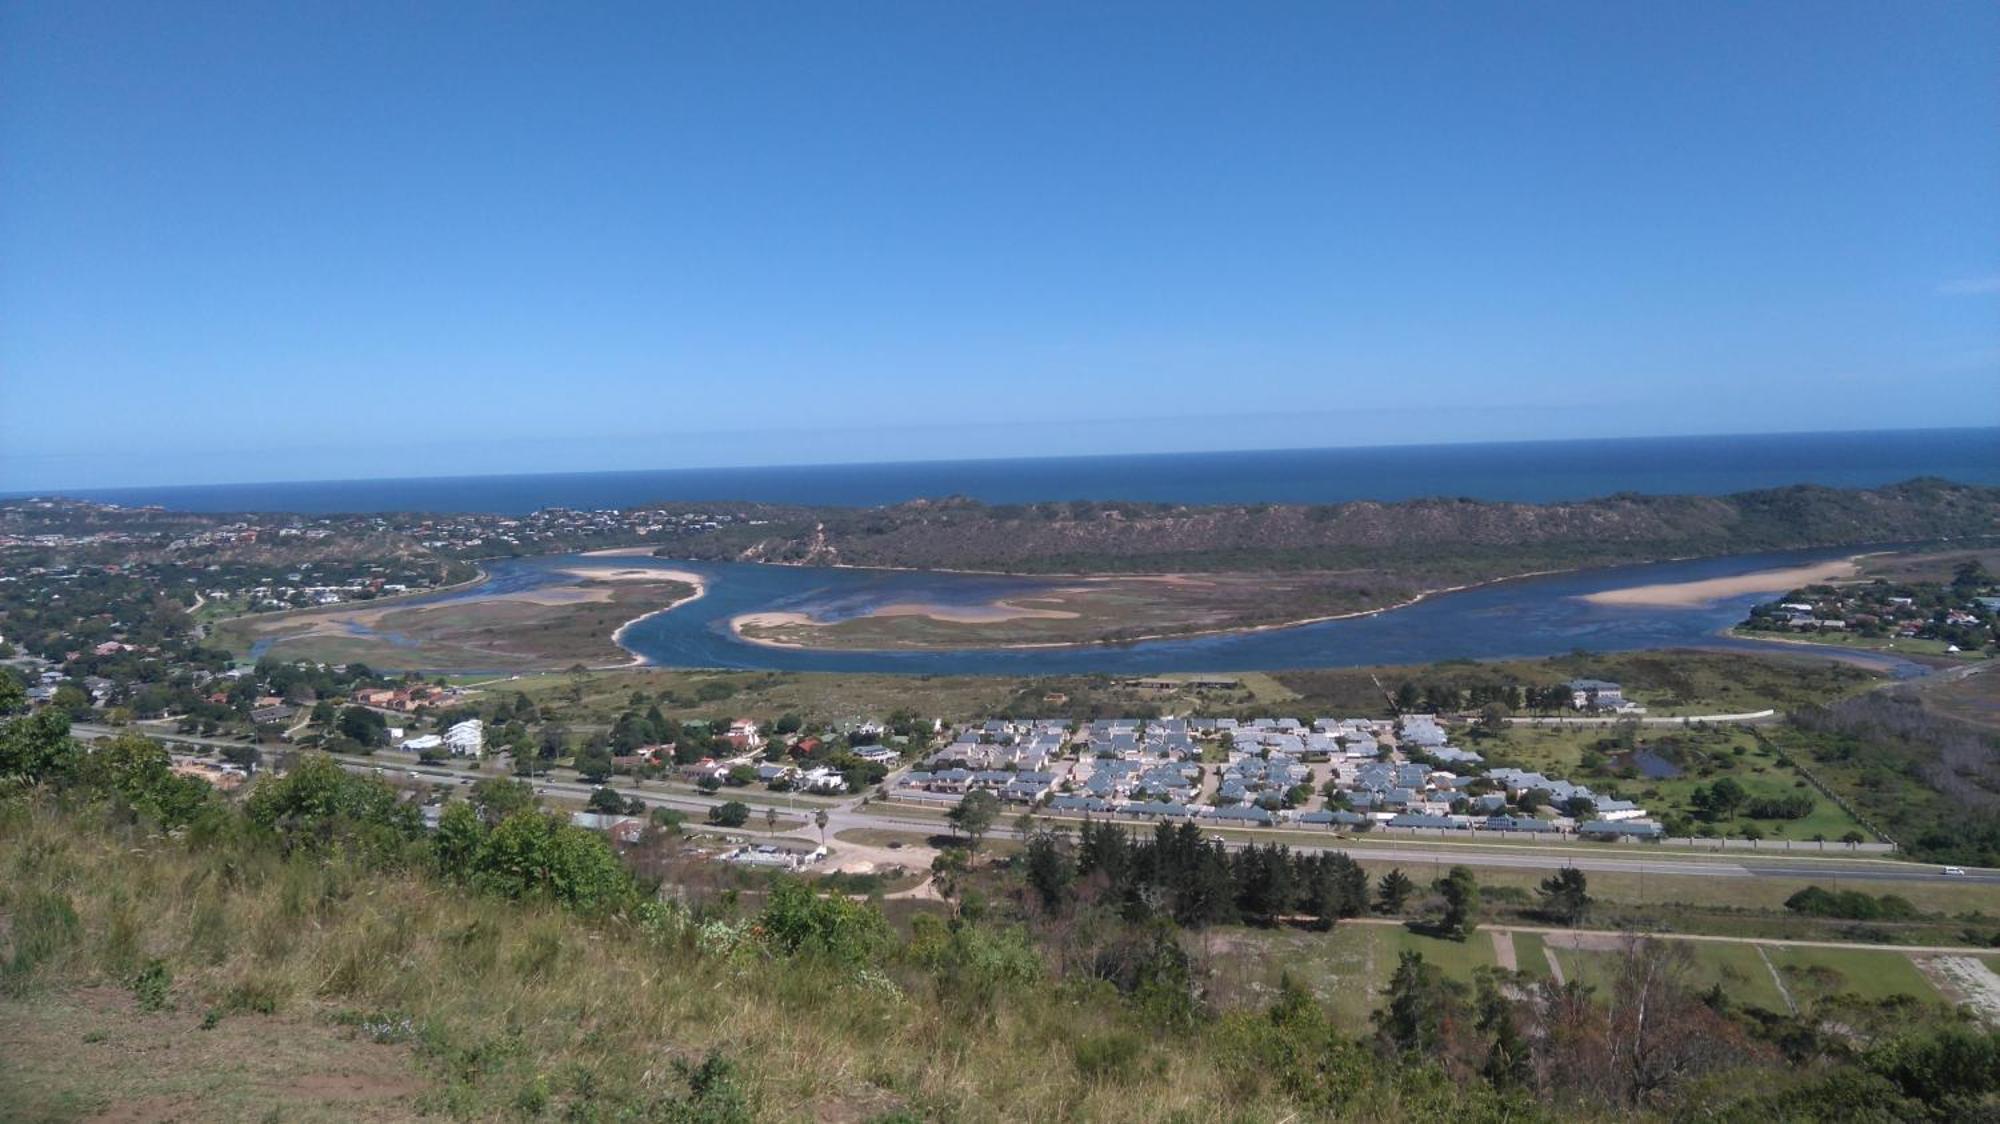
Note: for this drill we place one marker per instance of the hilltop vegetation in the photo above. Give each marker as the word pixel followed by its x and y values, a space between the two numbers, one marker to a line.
pixel 1439 538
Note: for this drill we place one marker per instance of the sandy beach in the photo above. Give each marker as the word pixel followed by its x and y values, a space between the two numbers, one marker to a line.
pixel 635 574
pixel 1677 594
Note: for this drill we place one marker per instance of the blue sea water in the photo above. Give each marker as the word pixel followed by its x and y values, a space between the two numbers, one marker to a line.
pixel 1539 471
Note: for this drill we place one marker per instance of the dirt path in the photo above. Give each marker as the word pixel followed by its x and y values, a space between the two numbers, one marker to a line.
pixel 1778 978
pixel 1503 950
pixel 1966 979
pixel 1555 966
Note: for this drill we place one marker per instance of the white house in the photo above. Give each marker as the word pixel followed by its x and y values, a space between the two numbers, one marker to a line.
pixel 467 739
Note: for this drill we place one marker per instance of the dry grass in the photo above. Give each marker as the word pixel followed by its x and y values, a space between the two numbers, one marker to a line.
pixel 506 1005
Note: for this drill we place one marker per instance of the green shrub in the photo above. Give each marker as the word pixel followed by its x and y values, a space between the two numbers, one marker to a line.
pixel 153 986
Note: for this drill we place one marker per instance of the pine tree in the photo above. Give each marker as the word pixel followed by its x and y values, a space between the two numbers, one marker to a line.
pixel 1393 892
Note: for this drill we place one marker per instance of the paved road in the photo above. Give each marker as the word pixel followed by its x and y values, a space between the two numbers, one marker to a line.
pixel 852 814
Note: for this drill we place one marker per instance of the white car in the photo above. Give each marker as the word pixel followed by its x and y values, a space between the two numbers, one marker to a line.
pixel 1954 870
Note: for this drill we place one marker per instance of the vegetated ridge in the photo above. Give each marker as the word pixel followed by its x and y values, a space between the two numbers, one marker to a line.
pixel 1440 537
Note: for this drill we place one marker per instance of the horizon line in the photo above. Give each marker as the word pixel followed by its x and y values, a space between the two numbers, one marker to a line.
pixel 84 492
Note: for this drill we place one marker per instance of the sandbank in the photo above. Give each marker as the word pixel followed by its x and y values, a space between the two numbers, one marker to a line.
pixel 1682 594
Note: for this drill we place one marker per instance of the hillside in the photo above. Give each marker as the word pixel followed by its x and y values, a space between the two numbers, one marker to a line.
pixel 1445 538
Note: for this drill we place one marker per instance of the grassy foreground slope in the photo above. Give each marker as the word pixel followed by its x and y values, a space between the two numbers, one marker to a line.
pixel 312 952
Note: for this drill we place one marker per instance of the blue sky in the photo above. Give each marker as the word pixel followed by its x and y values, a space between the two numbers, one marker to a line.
pixel 258 241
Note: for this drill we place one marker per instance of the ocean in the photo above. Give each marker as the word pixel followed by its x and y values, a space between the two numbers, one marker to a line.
pixel 1538 471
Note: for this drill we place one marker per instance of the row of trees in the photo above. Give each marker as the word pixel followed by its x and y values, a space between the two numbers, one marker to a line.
pixel 1178 874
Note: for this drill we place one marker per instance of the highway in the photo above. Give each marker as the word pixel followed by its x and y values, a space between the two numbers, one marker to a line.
pixel 859 812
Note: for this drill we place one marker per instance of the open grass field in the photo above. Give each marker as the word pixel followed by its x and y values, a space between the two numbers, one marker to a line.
pixel 1728 906
pixel 1531 955
pixel 816 697
pixel 1677 681
pixel 1737 968
pixel 1347 968
pixel 1350 967
pixel 1871 975
pixel 1704 755
pixel 1668 682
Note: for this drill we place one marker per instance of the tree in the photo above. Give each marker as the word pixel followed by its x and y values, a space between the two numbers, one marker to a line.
pixel 38 747
pixel 1051 867
pixel 946 870
pixel 1408 698
pixel 318 802
pixel 496 798
pixel 13 697
pixel 733 813
pixel 771 820
pixel 533 855
pixel 363 727
pixel 1565 897
pixel 460 832
pixel 819 821
pixel 594 764
pixel 1720 800
pixel 606 801
pixel 797 921
pixel 975 815
pixel 1461 903
pixel 1509 1064
pixel 1393 892
pixel 1420 1001
pixel 138 771
pixel 71 700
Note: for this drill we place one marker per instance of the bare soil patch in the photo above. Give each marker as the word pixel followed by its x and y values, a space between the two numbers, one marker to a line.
pixel 91 1054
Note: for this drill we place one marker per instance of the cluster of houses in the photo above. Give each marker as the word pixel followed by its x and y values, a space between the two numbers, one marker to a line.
pixel 1346 774
pixel 557 527
pixel 407 699
pixel 1964 620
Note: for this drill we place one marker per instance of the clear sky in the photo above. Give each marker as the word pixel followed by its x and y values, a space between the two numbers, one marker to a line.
pixel 280 241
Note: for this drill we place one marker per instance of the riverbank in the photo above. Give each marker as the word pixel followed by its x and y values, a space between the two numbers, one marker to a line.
pixel 698 589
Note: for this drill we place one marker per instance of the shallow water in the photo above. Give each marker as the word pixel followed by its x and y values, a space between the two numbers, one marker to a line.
pixel 1529 617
